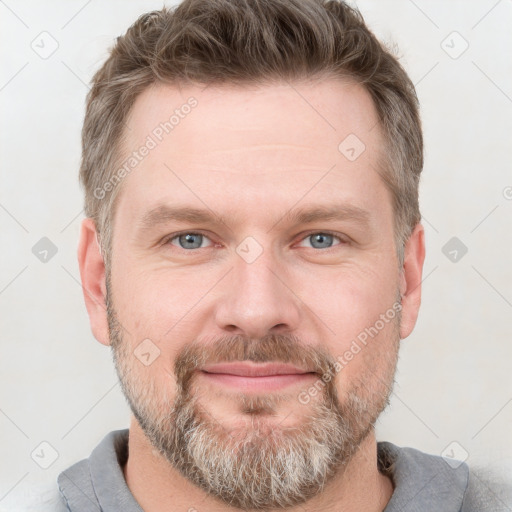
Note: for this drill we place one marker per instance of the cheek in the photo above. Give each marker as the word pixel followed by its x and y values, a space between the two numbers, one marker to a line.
pixel 158 303
pixel 359 313
pixel 350 301
pixel 367 358
pixel 159 312
pixel 146 373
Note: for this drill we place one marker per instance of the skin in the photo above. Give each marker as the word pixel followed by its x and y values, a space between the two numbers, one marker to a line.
pixel 252 154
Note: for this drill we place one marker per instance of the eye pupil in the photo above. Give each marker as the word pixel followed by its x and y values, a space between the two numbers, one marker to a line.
pixel 191 240
pixel 323 239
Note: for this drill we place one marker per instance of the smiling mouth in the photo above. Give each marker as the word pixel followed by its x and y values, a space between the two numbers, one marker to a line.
pixel 247 376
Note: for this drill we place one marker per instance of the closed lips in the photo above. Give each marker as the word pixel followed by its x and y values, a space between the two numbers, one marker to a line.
pixel 254 370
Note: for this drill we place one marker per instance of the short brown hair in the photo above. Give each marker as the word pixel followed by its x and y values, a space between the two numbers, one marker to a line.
pixel 247 42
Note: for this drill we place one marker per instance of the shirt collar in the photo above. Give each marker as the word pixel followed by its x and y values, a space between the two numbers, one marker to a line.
pixel 105 463
pixel 422 481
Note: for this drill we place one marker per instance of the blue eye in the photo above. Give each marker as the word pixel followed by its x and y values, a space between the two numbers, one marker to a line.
pixel 189 240
pixel 321 240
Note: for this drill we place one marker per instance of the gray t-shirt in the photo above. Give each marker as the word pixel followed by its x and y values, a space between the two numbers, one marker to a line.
pixel 421 482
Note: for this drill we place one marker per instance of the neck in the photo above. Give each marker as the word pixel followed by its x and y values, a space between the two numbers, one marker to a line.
pixel 158 487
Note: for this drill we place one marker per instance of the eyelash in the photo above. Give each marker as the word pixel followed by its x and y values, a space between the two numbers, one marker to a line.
pixel 342 238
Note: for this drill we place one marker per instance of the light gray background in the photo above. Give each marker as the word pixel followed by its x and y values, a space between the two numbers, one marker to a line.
pixel 57 384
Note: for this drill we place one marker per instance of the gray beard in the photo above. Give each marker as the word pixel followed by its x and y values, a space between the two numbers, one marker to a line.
pixel 262 466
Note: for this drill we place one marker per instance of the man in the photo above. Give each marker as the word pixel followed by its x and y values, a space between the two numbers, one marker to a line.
pixel 253 254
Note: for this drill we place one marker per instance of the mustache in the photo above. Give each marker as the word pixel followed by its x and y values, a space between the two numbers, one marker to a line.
pixel 275 348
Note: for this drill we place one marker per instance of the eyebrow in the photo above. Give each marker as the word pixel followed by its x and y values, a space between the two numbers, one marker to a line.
pixel 332 212
pixel 163 214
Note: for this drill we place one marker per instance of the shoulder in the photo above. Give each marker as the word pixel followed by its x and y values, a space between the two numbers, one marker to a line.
pixel 430 482
pixel 487 491
pixel 75 483
pixel 82 483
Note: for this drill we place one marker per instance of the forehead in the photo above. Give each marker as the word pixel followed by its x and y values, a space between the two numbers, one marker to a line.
pixel 277 141
pixel 284 113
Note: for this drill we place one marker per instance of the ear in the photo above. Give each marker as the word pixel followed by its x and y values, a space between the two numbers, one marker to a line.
pixel 92 273
pixel 410 280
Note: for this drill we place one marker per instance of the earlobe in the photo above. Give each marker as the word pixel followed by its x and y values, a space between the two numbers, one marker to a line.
pixel 410 280
pixel 92 273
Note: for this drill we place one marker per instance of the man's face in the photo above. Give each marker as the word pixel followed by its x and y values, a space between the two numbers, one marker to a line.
pixel 258 280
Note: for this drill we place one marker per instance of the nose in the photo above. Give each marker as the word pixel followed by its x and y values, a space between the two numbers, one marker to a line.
pixel 258 299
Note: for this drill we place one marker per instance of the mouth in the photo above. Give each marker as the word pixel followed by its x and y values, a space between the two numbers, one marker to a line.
pixel 247 376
